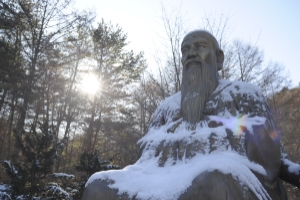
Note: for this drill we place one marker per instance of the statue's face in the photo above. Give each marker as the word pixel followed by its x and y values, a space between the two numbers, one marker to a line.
pixel 198 48
pixel 199 74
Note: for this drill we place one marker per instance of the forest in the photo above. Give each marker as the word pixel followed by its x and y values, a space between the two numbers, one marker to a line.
pixel 55 134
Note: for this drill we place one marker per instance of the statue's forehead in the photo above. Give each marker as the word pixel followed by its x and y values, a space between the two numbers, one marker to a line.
pixel 198 36
pixel 195 37
pixel 200 33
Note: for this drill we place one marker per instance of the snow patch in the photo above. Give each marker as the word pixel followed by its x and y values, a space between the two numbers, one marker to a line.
pixel 63 175
pixel 293 167
pixel 149 181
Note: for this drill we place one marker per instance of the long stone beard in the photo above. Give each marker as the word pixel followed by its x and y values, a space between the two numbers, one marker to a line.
pixel 198 83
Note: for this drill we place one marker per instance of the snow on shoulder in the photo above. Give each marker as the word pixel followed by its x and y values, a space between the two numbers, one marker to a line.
pixel 148 178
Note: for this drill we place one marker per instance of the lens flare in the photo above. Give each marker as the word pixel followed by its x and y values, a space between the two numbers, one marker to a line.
pixel 237 125
pixel 90 84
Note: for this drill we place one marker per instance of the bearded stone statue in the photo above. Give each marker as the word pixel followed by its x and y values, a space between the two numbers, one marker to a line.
pixel 215 139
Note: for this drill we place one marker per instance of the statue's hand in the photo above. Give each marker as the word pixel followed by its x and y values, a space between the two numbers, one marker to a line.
pixel 290 172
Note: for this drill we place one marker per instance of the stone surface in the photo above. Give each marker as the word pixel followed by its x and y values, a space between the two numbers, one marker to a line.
pixel 218 186
pixel 99 190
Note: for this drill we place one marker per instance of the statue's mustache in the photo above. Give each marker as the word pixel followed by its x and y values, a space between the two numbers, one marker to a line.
pixel 193 61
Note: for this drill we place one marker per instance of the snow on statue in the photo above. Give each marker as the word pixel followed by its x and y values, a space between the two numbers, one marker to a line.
pixel 215 139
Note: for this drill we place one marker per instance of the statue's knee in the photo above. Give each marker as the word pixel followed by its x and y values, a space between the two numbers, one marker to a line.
pixel 216 185
pixel 99 190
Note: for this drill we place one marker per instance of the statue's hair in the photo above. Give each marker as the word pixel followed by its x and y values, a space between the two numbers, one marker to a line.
pixel 208 34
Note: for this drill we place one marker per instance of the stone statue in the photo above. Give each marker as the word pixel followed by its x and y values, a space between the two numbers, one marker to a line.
pixel 220 134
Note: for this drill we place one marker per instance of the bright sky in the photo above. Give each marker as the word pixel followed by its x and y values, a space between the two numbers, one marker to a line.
pixel 274 25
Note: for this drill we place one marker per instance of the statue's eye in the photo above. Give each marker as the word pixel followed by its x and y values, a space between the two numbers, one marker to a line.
pixel 200 46
pixel 184 50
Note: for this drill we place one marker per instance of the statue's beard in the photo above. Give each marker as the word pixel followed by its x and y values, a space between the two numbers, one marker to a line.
pixel 199 80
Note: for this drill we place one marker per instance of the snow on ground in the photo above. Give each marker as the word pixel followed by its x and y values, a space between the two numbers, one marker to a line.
pixel 3 187
pixel 148 180
pixel 4 191
pixel 63 175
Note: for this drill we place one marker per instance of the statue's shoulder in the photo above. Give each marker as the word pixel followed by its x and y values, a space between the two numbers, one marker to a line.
pixel 236 97
pixel 167 110
pixel 229 89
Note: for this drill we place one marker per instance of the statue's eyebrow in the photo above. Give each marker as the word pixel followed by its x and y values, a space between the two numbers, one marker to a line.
pixel 184 45
pixel 202 42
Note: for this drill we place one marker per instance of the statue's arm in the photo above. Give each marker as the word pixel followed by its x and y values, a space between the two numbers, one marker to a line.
pixel 288 175
pixel 289 171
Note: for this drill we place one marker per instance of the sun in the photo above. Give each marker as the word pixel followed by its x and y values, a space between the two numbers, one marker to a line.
pixel 90 84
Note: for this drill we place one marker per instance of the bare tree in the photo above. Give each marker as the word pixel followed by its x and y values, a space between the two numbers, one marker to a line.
pixel 246 61
pixel 273 79
pixel 219 26
pixel 169 62
pixel 173 25
pixel 148 96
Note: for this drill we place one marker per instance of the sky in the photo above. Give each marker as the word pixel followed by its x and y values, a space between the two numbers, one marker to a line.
pixel 272 25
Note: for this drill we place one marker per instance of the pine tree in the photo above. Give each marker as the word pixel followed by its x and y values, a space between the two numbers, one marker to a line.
pixel 28 176
pixel 117 69
pixel 90 163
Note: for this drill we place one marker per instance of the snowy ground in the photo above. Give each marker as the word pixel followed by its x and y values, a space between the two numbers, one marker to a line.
pixel 4 194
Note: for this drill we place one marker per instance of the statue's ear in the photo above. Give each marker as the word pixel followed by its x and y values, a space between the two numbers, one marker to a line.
pixel 220 59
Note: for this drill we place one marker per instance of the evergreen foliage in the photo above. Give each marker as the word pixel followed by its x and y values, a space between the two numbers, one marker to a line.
pixel 29 173
pixel 117 70
pixel 62 188
pixel 90 163
pixel 4 196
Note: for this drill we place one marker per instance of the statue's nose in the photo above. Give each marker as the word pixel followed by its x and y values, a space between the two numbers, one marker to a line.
pixel 192 52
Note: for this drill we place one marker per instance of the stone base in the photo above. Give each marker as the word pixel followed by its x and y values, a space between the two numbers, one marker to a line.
pixel 208 185
pixel 99 190
pixel 217 186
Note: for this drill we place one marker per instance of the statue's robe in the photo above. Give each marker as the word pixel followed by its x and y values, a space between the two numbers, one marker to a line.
pixel 236 119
